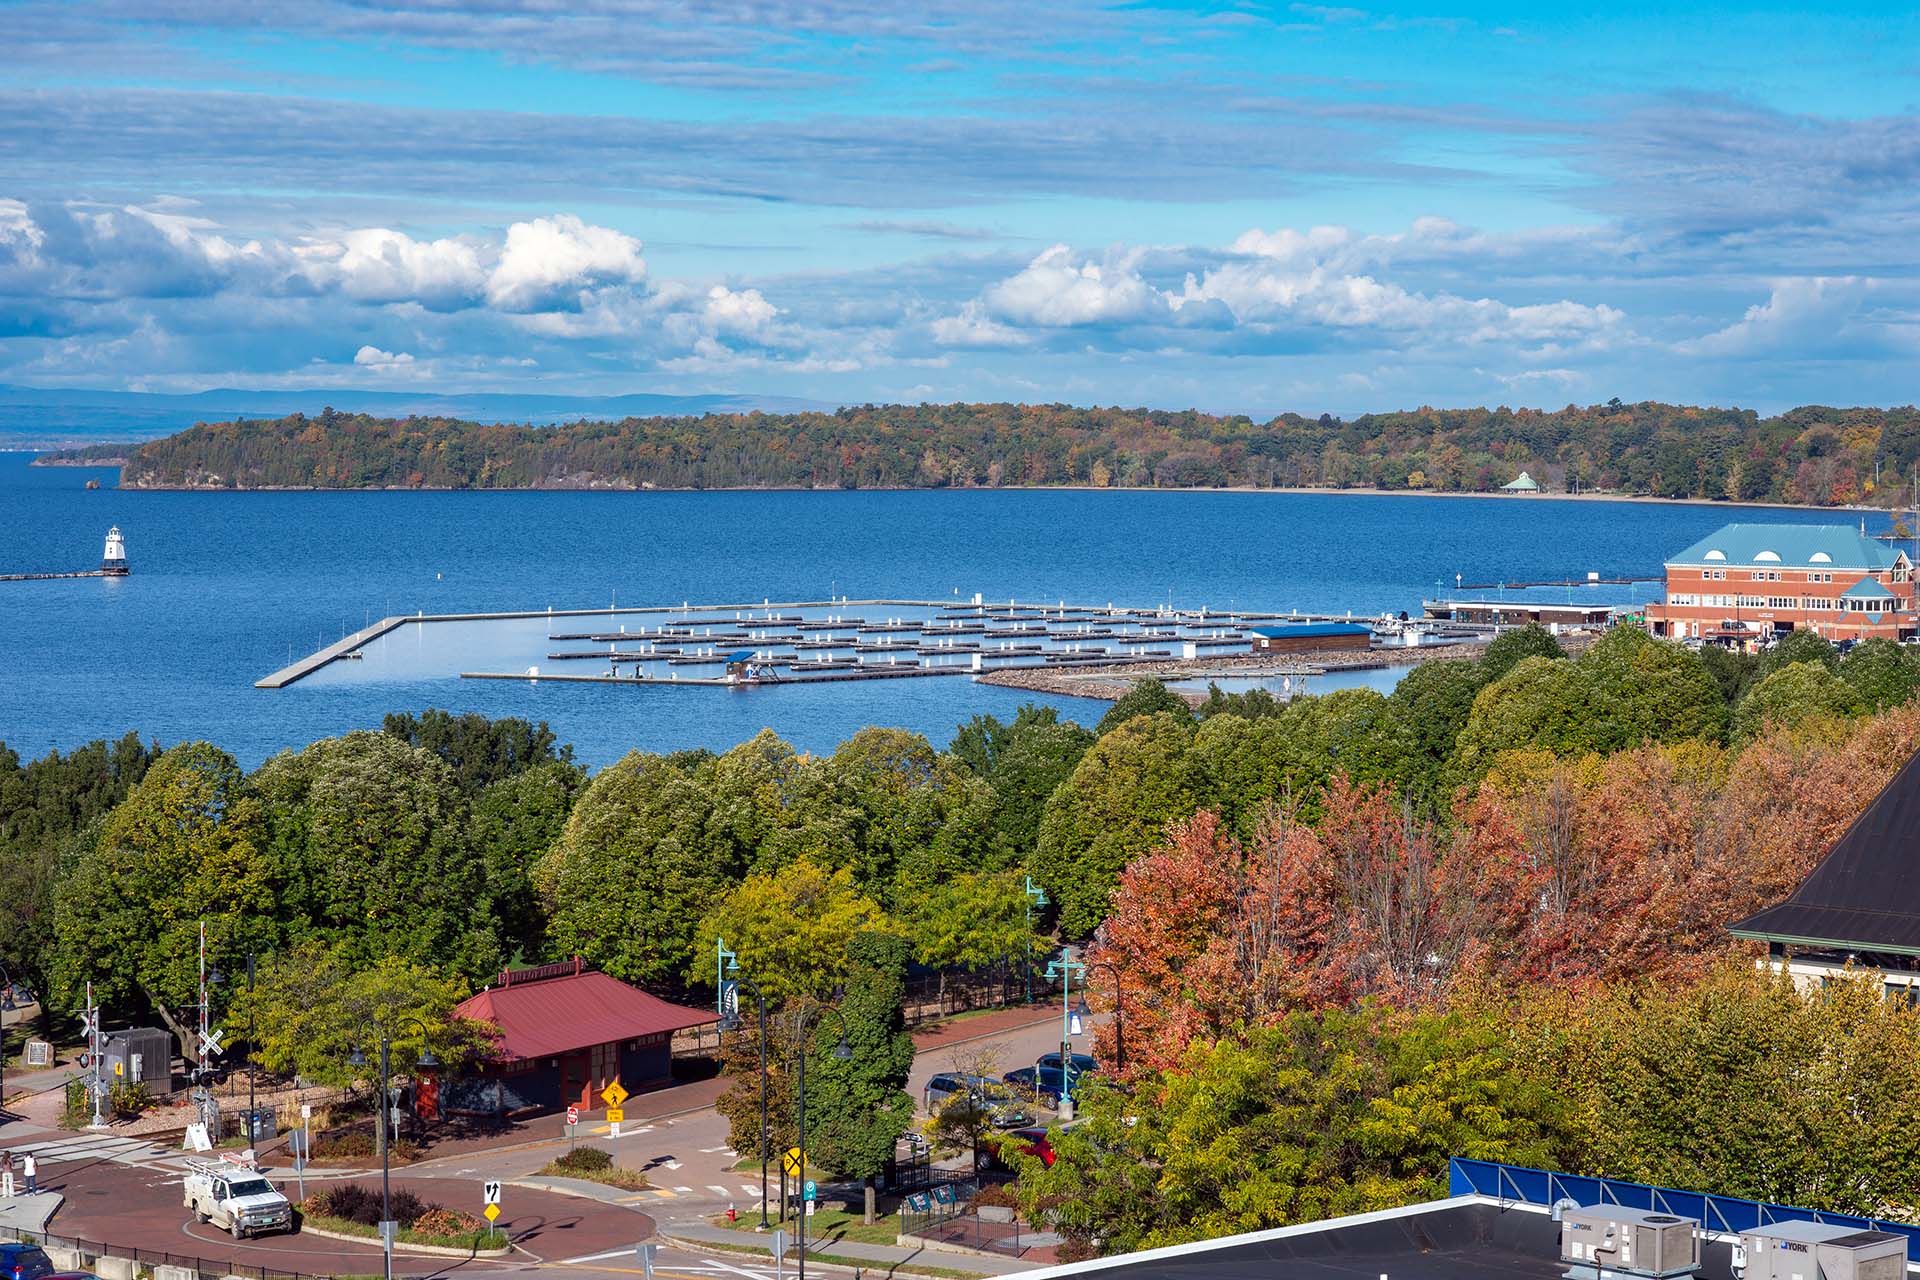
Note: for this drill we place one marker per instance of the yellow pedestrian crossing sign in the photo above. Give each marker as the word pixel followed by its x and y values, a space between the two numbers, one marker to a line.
pixel 613 1095
pixel 492 1211
pixel 791 1162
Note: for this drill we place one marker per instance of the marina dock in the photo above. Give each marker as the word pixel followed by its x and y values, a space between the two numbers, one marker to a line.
pixel 839 640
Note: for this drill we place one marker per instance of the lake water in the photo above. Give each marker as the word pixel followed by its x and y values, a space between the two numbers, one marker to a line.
pixel 226 586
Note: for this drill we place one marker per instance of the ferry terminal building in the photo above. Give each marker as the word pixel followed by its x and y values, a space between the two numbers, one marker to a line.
pixel 1748 583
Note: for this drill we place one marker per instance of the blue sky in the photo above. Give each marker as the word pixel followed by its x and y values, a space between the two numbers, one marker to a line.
pixel 1242 207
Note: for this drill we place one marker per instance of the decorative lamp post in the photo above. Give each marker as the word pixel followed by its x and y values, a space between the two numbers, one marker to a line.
pixel 1063 969
pixel 841 1051
pixel 730 1021
pixel 359 1060
pixel 1036 897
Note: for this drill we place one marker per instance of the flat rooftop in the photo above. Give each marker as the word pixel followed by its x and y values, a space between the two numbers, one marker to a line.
pixel 1465 1238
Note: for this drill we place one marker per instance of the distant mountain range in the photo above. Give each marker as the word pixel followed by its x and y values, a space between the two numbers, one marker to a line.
pixel 39 418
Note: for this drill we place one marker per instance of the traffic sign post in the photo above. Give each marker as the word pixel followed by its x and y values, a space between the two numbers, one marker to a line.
pixel 644 1253
pixel 810 1192
pixel 779 1247
pixel 614 1116
pixel 490 1192
pixel 790 1162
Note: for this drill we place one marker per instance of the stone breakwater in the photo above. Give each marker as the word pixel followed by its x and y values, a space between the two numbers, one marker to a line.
pixel 1113 683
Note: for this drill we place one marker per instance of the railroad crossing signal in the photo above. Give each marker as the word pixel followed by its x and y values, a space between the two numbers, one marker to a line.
pixel 791 1162
pixel 210 1042
pixel 90 1023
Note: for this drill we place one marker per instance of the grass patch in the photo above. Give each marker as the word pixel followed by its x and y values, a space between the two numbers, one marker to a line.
pixel 484 1238
pixel 865 1264
pixel 830 1225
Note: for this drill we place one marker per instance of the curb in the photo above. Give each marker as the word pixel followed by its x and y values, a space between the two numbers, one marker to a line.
pixel 433 1250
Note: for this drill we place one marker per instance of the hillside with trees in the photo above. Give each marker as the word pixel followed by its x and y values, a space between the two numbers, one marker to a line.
pixel 1813 455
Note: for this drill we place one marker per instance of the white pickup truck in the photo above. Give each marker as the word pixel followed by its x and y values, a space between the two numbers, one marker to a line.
pixel 236 1199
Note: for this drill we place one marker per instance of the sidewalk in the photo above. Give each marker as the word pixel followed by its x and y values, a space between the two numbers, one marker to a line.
pixel 698 1235
pixel 979 1026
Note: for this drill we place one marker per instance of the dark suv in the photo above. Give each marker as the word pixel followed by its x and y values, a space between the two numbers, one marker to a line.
pixel 24 1262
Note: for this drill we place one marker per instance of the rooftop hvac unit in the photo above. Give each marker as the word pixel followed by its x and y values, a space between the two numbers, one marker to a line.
pixel 1608 1238
pixel 1822 1251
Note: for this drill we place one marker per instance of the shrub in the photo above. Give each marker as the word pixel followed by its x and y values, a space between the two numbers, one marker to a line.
pixel 450 1223
pixel 357 1144
pixel 586 1160
pixel 356 1203
pixel 130 1099
pixel 996 1195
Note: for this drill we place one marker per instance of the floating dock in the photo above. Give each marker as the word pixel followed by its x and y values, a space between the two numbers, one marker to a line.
pixel 839 640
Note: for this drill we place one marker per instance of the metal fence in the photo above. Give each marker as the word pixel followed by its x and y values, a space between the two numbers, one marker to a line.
pixel 91 1251
pixel 944 1214
pixel 1727 1214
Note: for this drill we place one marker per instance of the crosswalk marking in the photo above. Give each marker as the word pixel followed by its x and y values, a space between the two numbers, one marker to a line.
pixel 716 1188
pixel 750 1189
pixel 98 1146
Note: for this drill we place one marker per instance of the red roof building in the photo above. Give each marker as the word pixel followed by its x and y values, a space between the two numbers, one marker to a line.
pixel 565 1033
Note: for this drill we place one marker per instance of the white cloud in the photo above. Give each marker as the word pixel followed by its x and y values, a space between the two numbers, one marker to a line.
pixel 744 312
pixel 548 263
pixel 1056 291
pixel 378 265
pixel 1802 315
pixel 374 358
pixel 973 327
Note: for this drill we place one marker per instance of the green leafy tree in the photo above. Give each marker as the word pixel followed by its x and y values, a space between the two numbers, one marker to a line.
pixel 790 931
pixel 182 848
pixel 910 802
pixel 1111 809
pixel 858 1108
pixel 514 821
pixel 1733 670
pixel 1148 697
pixel 1882 673
pixel 1249 704
pixel 637 869
pixel 1793 694
pixel 50 813
pixel 1434 701
pixel 968 921
pixel 371 838
pixel 1798 646
pixel 1506 650
pixel 479 751
pixel 312 1007
pixel 1025 763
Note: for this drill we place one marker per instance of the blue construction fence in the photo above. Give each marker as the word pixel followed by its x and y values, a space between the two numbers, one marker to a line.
pixel 1728 1214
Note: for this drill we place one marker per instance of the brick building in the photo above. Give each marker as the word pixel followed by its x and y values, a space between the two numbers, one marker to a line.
pixel 1746 583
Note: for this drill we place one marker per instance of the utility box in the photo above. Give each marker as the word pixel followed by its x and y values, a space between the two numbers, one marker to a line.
pixel 1822 1251
pixel 1632 1242
pixel 138 1055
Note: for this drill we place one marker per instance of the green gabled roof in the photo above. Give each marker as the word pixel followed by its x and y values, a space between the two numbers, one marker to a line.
pixel 1798 546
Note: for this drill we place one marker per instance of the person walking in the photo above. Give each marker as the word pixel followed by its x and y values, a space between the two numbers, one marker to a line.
pixel 31 1168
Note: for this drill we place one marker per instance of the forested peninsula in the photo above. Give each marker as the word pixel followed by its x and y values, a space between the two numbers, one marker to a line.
pixel 1812 455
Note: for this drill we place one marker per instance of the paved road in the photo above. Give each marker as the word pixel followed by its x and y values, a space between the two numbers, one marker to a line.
pixel 125 1190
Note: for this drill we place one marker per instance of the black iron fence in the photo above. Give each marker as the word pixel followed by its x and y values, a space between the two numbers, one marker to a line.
pixel 944 1213
pixel 91 1251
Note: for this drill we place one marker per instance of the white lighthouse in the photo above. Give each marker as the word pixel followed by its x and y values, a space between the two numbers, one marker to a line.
pixel 114 562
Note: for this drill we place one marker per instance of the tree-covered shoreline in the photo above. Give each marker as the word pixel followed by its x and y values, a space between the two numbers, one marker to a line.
pixel 1813 455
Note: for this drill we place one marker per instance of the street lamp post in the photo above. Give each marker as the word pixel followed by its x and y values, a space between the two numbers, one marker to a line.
pixel 730 1021
pixel 1064 968
pixel 1036 897
pixel 253 1116
pixel 6 1003
pixel 841 1051
pixel 385 1131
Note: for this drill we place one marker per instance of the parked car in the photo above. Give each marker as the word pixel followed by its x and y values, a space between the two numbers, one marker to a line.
pixel 1083 1063
pixel 1043 1085
pixel 1005 1108
pixel 24 1262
